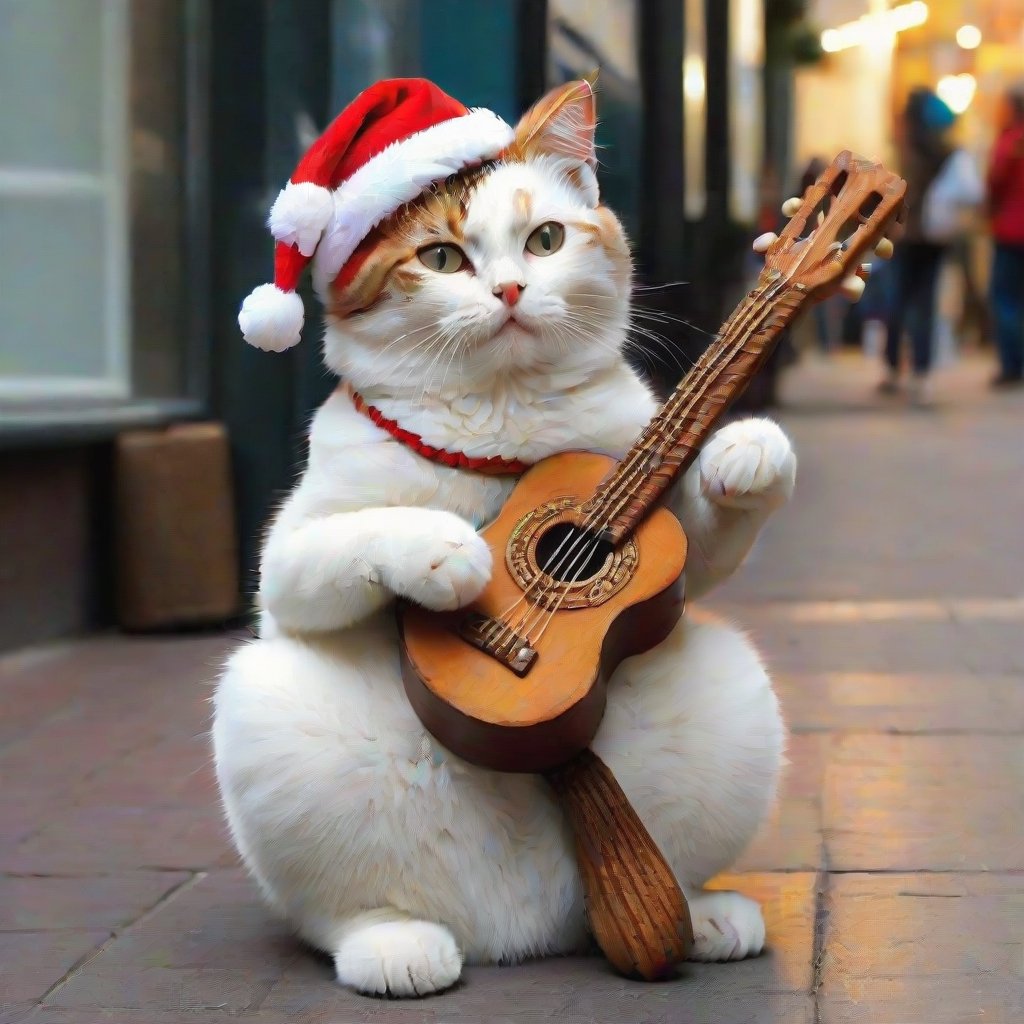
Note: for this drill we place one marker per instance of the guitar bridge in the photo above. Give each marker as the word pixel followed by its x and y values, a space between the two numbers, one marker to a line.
pixel 500 641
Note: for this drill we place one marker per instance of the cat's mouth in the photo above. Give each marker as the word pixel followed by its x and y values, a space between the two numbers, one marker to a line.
pixel 514 325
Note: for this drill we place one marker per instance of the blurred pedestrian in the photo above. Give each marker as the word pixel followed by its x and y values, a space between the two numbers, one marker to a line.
pixel 942 184
pixel 1006 209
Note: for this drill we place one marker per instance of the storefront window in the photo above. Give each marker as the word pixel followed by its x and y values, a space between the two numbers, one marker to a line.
pixel 63 199
pixel 94 303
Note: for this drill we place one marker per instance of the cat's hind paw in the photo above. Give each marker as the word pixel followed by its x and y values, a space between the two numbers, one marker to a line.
pixel 747 464
pixel 398 958
pixel 726 926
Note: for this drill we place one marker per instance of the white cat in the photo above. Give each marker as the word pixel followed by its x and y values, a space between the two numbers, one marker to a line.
pixel 489 321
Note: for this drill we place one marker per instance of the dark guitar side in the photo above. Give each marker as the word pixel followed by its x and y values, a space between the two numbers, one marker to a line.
pixel 482 711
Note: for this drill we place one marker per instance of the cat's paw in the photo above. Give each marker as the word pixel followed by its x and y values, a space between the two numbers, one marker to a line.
pixel 443 565
pixel 398 958
pixel 747 464
pixel 726 926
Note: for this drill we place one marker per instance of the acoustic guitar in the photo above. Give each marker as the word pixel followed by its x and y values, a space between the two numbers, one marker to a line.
pixel 589 569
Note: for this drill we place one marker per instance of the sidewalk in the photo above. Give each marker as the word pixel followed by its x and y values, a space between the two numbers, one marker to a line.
pixel 889 601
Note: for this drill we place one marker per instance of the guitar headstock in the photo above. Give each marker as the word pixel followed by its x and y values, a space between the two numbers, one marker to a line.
pixel 843 215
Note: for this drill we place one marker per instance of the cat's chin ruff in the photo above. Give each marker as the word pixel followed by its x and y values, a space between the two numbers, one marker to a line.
pixel 340 802
pixel 517 418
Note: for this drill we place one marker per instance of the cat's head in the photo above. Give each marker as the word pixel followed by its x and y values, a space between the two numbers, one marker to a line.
pixel 514 266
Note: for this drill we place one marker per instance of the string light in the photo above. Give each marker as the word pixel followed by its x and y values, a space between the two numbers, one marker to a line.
pixel 968 36
pixel 956 91
pixel 868 27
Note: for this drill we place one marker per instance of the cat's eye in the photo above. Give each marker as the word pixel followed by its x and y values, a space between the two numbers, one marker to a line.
pixel 548 238
pixel 443 259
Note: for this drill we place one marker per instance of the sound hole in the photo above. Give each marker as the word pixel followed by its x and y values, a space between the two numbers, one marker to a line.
pixel 570 554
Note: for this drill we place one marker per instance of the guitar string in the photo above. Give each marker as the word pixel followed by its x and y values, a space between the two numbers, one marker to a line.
pixel 740 332
pixel 624 485
pixel 545 611
pixel 591 519
pixel 630 466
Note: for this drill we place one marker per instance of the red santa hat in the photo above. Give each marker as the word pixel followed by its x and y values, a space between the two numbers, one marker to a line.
pixel 387 147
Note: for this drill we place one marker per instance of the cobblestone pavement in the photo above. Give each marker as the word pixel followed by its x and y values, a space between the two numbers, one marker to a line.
pixel 888 599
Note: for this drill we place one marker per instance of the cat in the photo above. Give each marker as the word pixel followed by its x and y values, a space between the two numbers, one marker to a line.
pixel 491 320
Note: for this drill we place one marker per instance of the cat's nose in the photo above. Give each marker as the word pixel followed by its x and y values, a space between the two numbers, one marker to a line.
pixel 509 292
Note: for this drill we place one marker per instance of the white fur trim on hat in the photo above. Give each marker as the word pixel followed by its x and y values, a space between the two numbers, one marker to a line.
pixel 300 213
pixel 399 174
pixel 271 319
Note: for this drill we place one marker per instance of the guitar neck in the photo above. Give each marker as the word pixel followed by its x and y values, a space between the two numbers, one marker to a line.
pixel 672 440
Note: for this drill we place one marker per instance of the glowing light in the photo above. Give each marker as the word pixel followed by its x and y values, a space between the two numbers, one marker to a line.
pixel 694 78
pixel 869 27
pixel 968 36
pixel 956 91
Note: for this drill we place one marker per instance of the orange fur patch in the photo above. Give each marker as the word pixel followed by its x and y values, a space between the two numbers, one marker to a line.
pixel 522 204
pixel 386 258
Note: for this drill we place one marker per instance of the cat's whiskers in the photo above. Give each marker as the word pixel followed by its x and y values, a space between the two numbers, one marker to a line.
pixel 451 338
pixel 460 351
pixel 415 366
pixel 395 341
pixel 668 350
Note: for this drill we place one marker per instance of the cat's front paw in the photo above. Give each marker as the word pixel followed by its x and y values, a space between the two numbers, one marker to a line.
pixel 726 926
pixel 443 565
pixel 747 464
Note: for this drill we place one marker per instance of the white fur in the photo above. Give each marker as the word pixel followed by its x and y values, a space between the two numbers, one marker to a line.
pixel 384 849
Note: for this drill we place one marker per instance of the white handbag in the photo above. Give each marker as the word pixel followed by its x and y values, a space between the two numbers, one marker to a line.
pixel 952 198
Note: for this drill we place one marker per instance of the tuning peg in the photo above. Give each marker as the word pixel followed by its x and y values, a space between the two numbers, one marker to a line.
pixel 763 242
pixel 884 249
pixel 852 287
pixel 790 206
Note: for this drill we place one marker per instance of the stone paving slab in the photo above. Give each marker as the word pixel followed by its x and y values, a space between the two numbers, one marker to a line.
pixel 904 702
pixel 92 840
pixel 892 501
pixel 33 962
pixel 212 946
pixel 925 803
pixel 46 903
pixel 559 1003
pixel 968 648
pixel 903 949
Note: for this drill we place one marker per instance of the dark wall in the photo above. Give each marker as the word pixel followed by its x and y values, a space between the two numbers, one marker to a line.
pixel 54 573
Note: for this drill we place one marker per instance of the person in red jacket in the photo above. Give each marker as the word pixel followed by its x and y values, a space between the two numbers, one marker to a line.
pixel 1006 209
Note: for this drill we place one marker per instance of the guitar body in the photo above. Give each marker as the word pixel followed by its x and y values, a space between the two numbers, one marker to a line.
pixel 485 708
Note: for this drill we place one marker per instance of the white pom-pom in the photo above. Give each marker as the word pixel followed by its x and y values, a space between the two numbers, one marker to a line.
pixel 271 319
pixel 300 214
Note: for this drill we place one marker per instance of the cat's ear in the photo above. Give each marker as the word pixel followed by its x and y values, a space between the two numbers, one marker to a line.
pixel 561 124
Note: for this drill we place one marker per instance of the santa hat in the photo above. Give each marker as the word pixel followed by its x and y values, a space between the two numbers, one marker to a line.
pixel 387 147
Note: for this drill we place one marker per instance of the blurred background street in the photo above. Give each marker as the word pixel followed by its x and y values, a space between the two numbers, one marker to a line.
pixel 143 446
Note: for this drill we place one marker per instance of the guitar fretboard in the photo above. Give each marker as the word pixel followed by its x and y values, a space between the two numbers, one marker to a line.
pixel 671 441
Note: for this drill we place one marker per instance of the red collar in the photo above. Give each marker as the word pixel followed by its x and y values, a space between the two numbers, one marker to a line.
pixel 494 466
